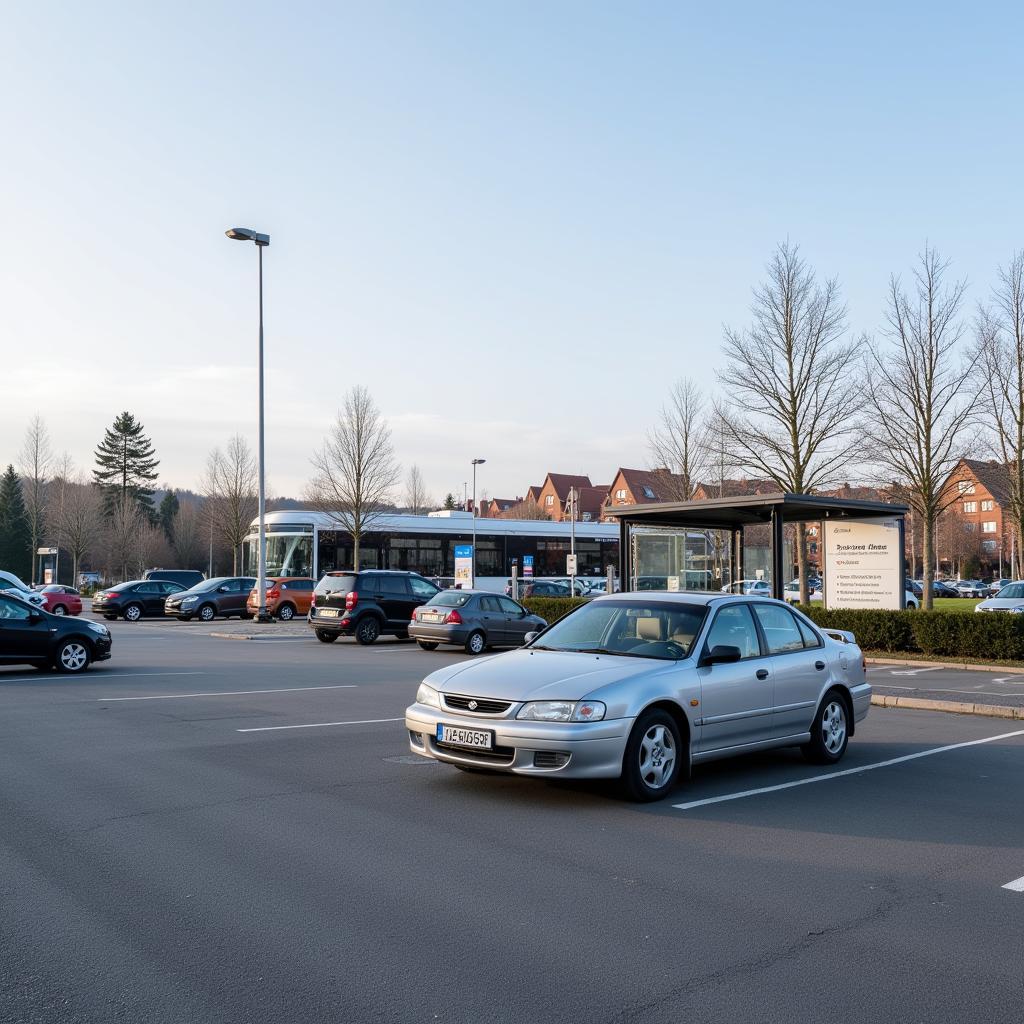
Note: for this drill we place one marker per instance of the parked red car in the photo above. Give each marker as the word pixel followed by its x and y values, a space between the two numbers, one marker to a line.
pixel 62 600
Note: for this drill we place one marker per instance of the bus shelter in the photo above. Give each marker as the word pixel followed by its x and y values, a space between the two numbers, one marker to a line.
pixel 861 543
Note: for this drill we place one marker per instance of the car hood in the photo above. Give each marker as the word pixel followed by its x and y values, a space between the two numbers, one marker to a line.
pixel 1000 604
pixel 543 675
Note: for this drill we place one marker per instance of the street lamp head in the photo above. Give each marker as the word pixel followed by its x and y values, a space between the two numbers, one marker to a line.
pixel 247 235
pixel 478 462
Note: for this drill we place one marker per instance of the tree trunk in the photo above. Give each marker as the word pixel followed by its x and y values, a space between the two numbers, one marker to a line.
pixel 355 550
pixel 927 524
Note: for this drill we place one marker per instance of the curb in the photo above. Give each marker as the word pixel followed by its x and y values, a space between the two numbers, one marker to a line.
pixel 882 700
pixel 255 636
pixel 956 666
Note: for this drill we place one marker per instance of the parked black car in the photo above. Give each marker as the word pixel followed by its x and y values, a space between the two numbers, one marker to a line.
pixel 31 636
pixel 367 604
pixel 223 595
pixel 134 599
pixel 186 577
pixel 472 619
pixel 529 587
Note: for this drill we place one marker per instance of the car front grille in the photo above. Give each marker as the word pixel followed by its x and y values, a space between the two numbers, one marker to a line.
pixel 476 705
pixel 496 755
pixel 550 758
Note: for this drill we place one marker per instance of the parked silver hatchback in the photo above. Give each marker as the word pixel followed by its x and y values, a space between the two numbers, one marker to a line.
pixel 639 687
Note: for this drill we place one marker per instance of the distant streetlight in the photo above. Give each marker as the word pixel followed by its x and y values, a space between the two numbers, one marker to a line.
pixel 261 241
pixel 474 464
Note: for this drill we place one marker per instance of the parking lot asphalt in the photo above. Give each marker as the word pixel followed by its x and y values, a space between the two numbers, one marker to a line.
pixel 206 830
pixel 987 687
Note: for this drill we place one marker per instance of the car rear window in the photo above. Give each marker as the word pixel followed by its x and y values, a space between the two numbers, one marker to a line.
pixel 336 584
pixel 450 599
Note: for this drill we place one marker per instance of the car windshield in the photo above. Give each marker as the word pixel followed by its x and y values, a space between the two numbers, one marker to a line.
pixel 664 630
pixel 1013 591
pixel 451 599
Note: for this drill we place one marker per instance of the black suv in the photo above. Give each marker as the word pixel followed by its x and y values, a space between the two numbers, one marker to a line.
pixel 366 604
pixel 185 577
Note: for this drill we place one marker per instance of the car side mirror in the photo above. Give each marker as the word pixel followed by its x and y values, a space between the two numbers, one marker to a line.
pixel 222 590
pixel 721 654
pixel 34 615
pixel 530 637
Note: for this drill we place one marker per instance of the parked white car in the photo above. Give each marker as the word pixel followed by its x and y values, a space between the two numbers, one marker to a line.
pixel 8 581
pixel 1009 599
pixel 759 588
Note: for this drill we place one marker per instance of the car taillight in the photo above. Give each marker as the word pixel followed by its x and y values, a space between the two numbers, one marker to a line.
pixel 453 618
pixel 274 593
pixel 351 600
pixel 312 601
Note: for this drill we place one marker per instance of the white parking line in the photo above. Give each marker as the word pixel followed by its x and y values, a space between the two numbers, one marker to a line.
pixel 1017 885
pixel 39 677
pixel 915 671
pixel 849 771
pixel 226 693
pixel 320 725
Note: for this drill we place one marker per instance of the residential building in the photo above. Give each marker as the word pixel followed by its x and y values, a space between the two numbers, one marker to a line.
pixel 976 524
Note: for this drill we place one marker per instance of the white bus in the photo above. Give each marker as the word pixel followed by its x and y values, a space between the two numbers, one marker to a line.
pixel 302 543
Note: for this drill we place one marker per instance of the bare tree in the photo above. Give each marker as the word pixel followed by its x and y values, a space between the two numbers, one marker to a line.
pixel 123 528
pixel 791 385
pixel 417 500
pixel 920 397
pixel 190 537
pixel 680 442
pixel 79 517
pixel 36 458
pixel 230 484
pixel 526 510
pixel 999 363
pixel 356 470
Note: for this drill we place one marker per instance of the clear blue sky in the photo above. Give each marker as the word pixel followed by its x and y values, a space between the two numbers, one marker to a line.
pixel 515 223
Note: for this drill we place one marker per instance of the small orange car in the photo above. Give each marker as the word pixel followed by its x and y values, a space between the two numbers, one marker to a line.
pixel 287 596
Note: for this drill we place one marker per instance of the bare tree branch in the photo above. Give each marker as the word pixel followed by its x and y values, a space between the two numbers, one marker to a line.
pixel 230 485
pixel 680 441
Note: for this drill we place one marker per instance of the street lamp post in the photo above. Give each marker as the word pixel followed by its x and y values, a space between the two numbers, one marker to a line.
pixel 475 463
pixel 261 241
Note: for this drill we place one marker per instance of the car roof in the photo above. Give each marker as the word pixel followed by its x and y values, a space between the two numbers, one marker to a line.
pixel 685 597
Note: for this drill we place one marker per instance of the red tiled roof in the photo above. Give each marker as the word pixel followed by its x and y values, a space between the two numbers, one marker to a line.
pixel 561 482
pixel 993 476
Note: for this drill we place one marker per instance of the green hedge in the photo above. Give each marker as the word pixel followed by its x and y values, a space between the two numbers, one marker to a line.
pixel 551 608
pixel 993 635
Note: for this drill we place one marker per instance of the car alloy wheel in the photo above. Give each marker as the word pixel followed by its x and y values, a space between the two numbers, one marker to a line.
pixel 830 733
pixel 476 643
pixel 653 756
pixel 833 727
pixel 286 613
pixel 73 657
pixel 207 612
pixel 133 613
pixel 368 630
pixel 60 610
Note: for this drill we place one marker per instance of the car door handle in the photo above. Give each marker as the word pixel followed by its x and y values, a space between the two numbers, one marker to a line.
pixel 820 666
pixel 762 673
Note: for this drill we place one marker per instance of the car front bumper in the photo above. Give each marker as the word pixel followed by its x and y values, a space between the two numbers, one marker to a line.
pixel 592 750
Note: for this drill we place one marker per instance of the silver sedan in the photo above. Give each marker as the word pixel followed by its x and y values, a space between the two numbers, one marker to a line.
pixel 639 687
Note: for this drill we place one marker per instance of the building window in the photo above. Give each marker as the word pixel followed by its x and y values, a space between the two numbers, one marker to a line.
pixel 969 527
pixel 988 545
pixel 620 494
pixel 988 506
pixel 988 527
pixel 549 500
pixel 648 493
pixel 970 506
pixel 965 486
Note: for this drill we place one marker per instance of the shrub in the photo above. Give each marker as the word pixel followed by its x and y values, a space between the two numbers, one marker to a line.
pixel 992 635
pixel 551 608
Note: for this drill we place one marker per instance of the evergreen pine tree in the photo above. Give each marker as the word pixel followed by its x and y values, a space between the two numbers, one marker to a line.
pixel 15 545
pixel 126 466
pixel 168 513
pixel 449 501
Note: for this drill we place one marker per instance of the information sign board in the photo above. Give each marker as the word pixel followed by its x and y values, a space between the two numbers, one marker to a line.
pixel 863 563
pixel 464 566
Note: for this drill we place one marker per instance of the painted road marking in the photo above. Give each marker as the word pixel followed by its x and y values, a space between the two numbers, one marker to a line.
pixel 38 677
pixel 227 693
pixel 848 771
pixel 915 671
pixel 1017 885
pixel 320 725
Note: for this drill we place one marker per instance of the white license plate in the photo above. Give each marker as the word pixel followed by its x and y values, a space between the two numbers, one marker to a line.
pixel 431 618
pixel 329 612
pixel 475 739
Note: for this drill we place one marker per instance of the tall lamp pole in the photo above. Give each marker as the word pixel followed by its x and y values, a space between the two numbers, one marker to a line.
pixel 261 241
pixel 475 463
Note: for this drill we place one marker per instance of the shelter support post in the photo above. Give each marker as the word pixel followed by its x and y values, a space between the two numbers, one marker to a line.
pixel 778 552
pixel 625 569
pixel 737 555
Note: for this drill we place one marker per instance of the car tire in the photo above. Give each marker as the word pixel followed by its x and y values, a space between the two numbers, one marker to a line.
pixel 647 773
pixel 207 613
pixel 324 637
pixel 133 613
pixel 184 618
pixel 830 733
pixel 73 656
pixel 110 618
pixel 58 609
pixel 476 643
pixel 428 645
pixel 367 630
pixel 286 612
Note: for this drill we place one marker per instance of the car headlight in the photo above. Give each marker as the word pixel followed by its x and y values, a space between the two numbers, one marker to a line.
pixel 97 628
pixel 428 695
pixel 189 600
pixel 1019 610
pixel 562 711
